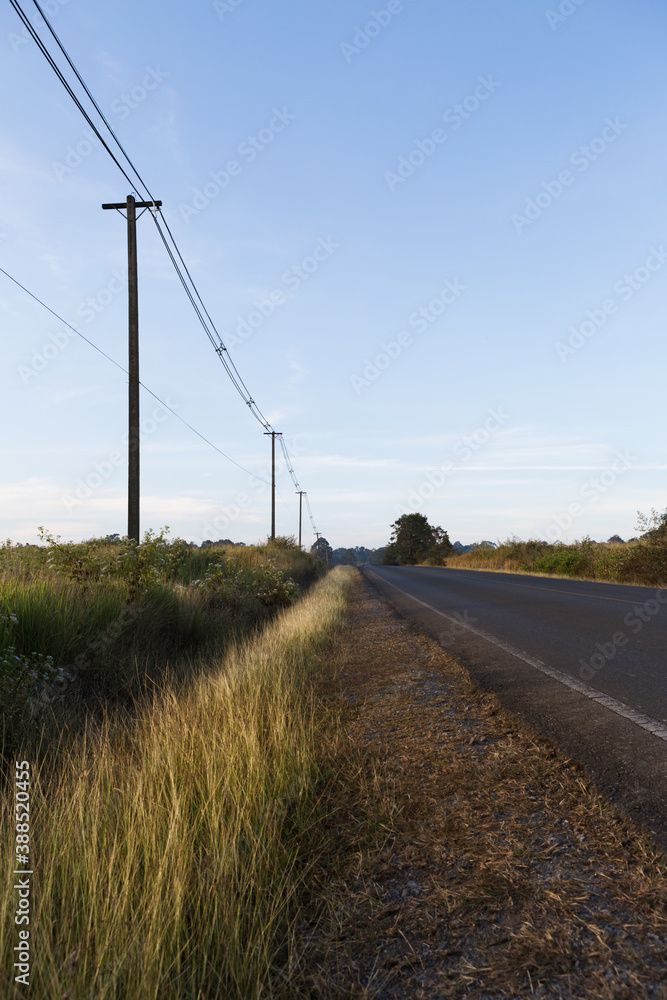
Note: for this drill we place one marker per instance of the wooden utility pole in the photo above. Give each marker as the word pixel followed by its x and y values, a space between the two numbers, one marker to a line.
pixel 301 494
pixel 131 207
pixel 273 435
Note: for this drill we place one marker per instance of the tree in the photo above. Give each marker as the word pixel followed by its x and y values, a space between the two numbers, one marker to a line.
pixel 283 542
pixel 414 540
pixel 322 550
pixel 357 556
pixel 390 556
pixel 347 557
pixel 653 526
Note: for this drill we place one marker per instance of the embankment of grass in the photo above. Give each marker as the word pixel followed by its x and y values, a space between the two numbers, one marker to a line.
pixel 643 563
pixel 170 853
pixel 116 621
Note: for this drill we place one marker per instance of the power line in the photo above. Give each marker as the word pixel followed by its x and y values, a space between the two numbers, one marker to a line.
pixel 188 284
pixel 297 487
pixel 174 254
pixel 310 515
pixel 83 84
pixel 125 371
pixel 200 310
pixel 65 84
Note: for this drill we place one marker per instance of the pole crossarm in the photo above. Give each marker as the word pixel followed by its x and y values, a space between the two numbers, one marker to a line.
pixel 137 204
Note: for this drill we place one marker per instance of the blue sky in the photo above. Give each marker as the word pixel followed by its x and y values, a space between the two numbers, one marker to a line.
pixel 432 234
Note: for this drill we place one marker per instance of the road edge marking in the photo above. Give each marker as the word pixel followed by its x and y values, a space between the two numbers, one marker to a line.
pixel 650 725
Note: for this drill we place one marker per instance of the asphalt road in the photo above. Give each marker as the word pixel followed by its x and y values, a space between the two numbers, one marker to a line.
pixel 585 664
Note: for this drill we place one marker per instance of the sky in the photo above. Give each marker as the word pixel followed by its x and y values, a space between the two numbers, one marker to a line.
pixel 431 234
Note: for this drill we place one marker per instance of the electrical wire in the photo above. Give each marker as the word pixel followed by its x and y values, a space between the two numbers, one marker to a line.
pixel 188 282
pixel 90 96
pixel 290 469
pixel 142 384
pixel 66 85
pixel 174 254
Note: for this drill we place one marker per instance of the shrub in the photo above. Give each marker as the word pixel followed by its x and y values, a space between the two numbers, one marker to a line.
pixel 117 620
pixel 266 584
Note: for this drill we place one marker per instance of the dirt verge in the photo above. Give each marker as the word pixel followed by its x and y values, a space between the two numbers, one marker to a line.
pixel 497 870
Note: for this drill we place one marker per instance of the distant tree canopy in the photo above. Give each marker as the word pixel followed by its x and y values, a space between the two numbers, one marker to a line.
pixel 322 550
pixel 414 540
pixel 357 555
pixel 653 526
pixel 346 557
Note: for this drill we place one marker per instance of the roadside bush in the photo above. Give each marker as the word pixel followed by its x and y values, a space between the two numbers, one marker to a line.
pixel 642 561
pixel 266 584
pixel 116 620
pixel 136 568
pixel 22 677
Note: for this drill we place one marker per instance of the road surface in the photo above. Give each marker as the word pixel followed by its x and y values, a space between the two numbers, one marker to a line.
pixel 585 664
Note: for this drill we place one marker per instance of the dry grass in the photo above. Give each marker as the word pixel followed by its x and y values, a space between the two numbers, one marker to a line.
pixel 171 854
pixel 642 562
pixel 333 814
pixel 500 871
pixel 115 627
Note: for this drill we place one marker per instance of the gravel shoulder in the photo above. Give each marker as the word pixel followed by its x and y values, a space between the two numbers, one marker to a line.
pixel 496 868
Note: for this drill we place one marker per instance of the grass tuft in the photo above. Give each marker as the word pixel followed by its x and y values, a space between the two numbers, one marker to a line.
pixel 171 851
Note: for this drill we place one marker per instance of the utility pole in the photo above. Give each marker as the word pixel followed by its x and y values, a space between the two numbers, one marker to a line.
pixel 301 494
pixel 131 207
pixel 273 435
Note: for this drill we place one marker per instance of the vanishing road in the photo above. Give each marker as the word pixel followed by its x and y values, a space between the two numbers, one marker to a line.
pixel 584 663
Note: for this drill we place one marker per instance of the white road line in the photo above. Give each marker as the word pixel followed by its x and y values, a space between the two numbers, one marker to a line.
pixel 650 725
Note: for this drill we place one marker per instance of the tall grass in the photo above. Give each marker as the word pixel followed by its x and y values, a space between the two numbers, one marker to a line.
pixel 116 621
pixel 643 562
pixel 171 853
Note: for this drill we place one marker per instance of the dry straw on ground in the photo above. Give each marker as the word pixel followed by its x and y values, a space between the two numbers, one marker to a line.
pixel 499 870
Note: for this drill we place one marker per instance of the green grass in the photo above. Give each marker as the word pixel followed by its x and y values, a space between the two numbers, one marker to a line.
pixel 120 621
pixel 55 616
pixel 173 850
